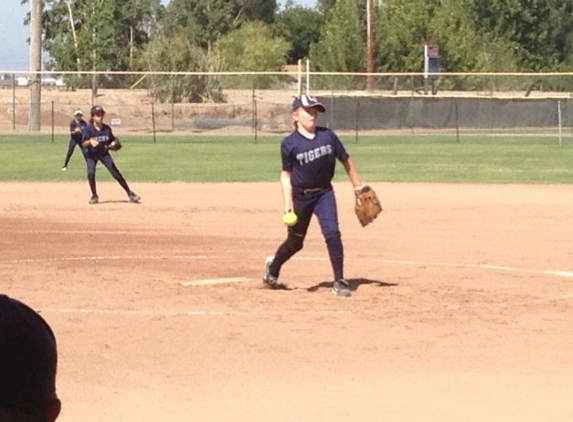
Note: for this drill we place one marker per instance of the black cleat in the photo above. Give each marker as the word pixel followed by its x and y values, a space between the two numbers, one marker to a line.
pixel 94 200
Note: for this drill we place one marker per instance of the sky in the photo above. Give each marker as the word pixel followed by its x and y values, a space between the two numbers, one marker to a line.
pixel 14 48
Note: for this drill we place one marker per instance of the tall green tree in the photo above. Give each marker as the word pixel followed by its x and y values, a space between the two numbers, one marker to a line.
pixel 324 6
pixel 464 44
pixel 301 27
pixel 205 21
pixel 403 27
pixel 178 54
pixel 342 47
pixel 540 30
pixel 97 35
pixel 253 47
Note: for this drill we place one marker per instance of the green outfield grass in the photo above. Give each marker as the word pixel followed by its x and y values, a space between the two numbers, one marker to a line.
pixel 242 159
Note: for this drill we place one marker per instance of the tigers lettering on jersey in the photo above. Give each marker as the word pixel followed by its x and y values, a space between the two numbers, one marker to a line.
pixel 102 138
pixel 309 156
pixel 311 162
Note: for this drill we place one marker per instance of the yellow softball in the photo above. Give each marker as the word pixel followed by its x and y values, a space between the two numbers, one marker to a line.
pixel 290 218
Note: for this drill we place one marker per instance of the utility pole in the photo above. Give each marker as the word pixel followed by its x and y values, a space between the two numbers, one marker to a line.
pixel 369 44
pixel 34 116
pixel 94 56
pixel 73 28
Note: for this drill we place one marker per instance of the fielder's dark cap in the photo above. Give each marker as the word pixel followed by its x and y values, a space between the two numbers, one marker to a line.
pixel 28 356
pixel 307 101
pixel 97 109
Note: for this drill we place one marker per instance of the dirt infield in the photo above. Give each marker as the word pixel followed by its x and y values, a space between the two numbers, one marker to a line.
pixel 461 309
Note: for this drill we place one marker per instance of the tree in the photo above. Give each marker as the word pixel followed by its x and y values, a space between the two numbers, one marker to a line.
pixel 401 30
pixel 301 27
pixel 178 54
pixel 324 6
pixel 205 21
pixel 540 30
pixel 404 26
pixel 471 48
pixel 342 47
pixel 97 35
pixel 253 47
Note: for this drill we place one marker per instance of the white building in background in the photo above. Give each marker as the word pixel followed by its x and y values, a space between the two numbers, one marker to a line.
pixel 51 81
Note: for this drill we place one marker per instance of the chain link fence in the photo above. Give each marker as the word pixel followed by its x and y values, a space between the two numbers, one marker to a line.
pixel 258 104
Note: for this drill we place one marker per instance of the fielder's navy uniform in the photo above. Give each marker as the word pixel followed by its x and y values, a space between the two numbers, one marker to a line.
pixel 75 137
pixel 105 137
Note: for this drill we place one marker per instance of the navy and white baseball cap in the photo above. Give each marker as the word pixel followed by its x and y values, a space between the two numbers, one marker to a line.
pixel 97 109
pixel 78 112
pixel 307 101
pixel 28 356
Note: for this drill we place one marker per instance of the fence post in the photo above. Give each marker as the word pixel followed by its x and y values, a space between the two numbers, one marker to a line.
pixel 53 121
pixel 254 107
pixel 559 121
pixel 172 115
pixel 172 105
pixel 457 122
pixel 13 102
pixel 356 120
pixel 330 124
pixel 411 113
pixel 153 120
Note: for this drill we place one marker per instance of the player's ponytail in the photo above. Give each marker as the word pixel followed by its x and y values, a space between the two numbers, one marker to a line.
pixel 294 124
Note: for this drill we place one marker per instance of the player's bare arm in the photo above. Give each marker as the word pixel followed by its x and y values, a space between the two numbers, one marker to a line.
pixel 352 172
pixel 287 191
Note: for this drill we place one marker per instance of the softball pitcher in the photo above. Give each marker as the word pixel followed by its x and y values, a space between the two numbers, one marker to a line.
pixel 309 157
pixel 97 137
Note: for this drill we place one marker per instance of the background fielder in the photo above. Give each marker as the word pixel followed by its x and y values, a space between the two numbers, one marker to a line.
pixel 77 126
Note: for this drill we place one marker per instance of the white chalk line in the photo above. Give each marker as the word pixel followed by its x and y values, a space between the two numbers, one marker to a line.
pixel 558 273
pixel 480 266
pixel 459 265
pixel 207 281
pixel 139 313
pixel 243 279
pixel 108 258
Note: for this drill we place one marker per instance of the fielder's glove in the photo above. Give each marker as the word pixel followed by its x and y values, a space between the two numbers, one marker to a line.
pixel 367 205
pixel 115 145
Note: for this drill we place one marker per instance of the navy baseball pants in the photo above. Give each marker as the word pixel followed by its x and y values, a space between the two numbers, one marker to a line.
pixel 322 203
pixel 71 146
pixel 107 161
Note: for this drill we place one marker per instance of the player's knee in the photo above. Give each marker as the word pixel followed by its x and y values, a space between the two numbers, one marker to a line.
pixel 295 242
pixel 334 241
pixel 333 236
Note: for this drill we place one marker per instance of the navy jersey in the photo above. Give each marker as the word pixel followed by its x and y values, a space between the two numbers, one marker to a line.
pixel 311 162
pixel 104 136
pixel 74 124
